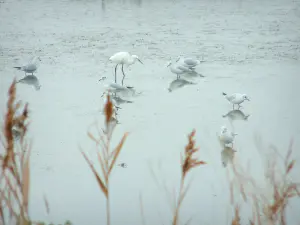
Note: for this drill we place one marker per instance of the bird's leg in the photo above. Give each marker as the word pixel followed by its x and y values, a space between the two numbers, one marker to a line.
pixel 123 74
pixel 177 76
pixel 116 73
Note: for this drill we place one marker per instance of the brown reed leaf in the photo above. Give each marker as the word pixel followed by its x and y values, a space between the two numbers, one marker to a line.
pixel 290 166
pixel 92 137
pixel 289 153
pixel 117 152
pixel 99 180
pixel 101 161
pixel 237 219
pixel 26 182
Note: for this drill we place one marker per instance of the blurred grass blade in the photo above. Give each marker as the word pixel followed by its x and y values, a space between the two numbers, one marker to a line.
pixel 26 182
pixel 92 137
pixel 46 205
pixel 290 166
pixel 117 152
pixel 99 180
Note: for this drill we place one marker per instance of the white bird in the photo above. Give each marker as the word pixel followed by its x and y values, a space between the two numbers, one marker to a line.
pixel 31 80
pixel 123 58
pixel 31 66
pixel 236 98
pixel 226 136
pixel 179 69
pixel 188 62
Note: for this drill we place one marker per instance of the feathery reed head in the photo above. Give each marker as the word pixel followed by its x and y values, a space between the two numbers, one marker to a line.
pixel 188 161
pixel 109 110
pixel 12 121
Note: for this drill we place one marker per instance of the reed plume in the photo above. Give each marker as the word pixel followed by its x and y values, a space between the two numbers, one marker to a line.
pixel 188 162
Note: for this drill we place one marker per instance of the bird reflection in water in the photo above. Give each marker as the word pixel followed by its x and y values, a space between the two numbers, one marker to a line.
pixel 123 165
pixel 236 114
pixel 179 83
pixel 31 80
pixel 227 155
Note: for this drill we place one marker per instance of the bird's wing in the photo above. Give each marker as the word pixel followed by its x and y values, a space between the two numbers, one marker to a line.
pixel 231 97
pixel 183 68
pixel 191 62
pixel 30 67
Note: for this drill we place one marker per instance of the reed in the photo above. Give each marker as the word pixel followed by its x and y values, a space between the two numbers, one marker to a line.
pixel 268 207
pixel 15 165
pixel 188 162
pixel 107 158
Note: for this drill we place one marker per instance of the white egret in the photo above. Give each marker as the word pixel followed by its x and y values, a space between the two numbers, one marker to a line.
pixel 123 58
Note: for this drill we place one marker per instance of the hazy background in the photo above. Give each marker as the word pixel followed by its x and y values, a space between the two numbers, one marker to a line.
pixel 249 46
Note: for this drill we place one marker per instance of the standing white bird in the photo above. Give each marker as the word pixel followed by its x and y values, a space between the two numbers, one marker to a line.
pixel 123 58
pixel 179 69
pixel 226 136
pixel 31 66
pixel 236 98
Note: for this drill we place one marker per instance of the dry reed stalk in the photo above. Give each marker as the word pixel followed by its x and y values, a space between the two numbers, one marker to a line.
pixel 187 163
pixel 15 166
pixel 270 209
pixel 106 157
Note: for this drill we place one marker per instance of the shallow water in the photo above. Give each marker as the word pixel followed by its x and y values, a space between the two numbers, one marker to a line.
pixel 250 47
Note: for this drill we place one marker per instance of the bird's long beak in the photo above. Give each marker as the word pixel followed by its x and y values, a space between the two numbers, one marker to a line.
pixel 247 98
pixel 103 94
pixel 140 61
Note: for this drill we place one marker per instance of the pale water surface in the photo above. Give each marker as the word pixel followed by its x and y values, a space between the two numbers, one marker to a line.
pixel 249 46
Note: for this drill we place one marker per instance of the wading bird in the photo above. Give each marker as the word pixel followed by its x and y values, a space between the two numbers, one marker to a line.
pixel 121 58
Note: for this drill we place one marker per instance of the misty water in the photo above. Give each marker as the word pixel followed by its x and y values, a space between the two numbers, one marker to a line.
pixel 248 46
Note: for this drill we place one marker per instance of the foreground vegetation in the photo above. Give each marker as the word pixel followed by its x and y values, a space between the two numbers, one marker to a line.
pixel 268 208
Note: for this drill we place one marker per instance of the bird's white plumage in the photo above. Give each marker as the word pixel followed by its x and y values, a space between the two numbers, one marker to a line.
pixel 236 98
pixel 31 66
pixel 178 68
pixel 124 58
pixel 226 136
